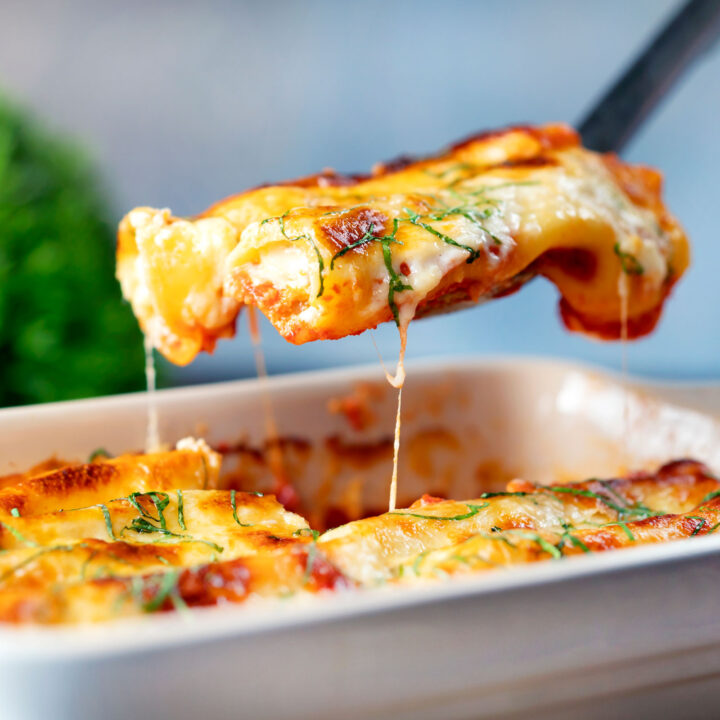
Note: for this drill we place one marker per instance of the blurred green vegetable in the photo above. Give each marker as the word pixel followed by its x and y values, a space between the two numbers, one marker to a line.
pixel 64 330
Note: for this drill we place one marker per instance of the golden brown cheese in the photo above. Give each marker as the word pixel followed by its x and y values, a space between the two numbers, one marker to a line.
pixel 371 550
pixel 107 589
pixel 152 549
pixel 694 498
pixel 193 465
pixel 330 255
pixel 184 546
pixel 241 523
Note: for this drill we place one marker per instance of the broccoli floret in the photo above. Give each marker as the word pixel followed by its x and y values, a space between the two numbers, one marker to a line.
pixel 64 330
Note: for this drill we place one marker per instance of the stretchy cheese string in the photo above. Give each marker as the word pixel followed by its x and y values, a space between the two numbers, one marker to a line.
pixel 623 292
pixel 152 435
pixel 397 381
pixel 272 436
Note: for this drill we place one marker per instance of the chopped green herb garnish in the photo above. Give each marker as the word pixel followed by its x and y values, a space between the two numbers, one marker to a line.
pixel 541 541
pixel 15 512
pixel 99 452
pixel 310 561
pixel 167 583
pixel 233 505
pixel 302 532
pixel 638 510
pixel 588 494
pixel 159 499
pixel 321 264
pixel 172 538
pixel 144 523
pixel 499 538
pixel 35 556
pixel 18 535
pixel 703 523
pixel 625 529
pixel 629 263
pixel 574 540
pixel 108 522
pixel 143 526
pixel 474 510
pixel 710 496
pixel 366 238
pixel 181 510
pixel 610 490
pixel 415 219
pixel 503 494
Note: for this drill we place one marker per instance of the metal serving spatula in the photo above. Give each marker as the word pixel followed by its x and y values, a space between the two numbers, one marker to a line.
pixel 616 117
pixel 622 110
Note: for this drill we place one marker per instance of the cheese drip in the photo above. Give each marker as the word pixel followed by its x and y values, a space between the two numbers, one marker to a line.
pixel 397 381
pixel 152 434
pixel 623 293
pixel 272 437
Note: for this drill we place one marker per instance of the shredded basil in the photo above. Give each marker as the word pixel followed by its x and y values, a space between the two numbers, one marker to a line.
pixel 233 505
pixel 541 541
pixel 301 532
pixel 486 495
pixel 159 499
pixel 143 524
pixel 625 529
pixel 108 522
pixel 629 263
pixel 499 538
pixel 574 540
pixel 310 561
pixel 98 452
pixel 31 558
pixel 181 510
pixel 474 510
pixel 703 523
pixel 167 583
pixel 415 219
pixel 304 236
pixel 710 496
pixel 189 539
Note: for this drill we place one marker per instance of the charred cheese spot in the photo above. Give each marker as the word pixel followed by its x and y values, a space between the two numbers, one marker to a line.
pixel 350 227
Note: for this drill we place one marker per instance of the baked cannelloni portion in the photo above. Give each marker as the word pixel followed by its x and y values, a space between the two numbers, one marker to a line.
pixel 536 522
pixel 74 557
pixel 333 255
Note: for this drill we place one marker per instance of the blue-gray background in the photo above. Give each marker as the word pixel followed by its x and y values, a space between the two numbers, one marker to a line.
pixel 186 102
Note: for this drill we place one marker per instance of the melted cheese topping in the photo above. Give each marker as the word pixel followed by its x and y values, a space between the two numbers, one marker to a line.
pixel 141 534
pixel 330 256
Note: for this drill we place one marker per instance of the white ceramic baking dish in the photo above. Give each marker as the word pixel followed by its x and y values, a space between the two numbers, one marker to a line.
pixel 629 633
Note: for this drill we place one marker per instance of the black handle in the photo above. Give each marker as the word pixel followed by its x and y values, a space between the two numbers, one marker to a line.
pixel 614 120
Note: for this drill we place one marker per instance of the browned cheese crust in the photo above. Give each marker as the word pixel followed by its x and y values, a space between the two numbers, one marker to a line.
pixel 143 534
pixel 332 255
